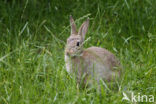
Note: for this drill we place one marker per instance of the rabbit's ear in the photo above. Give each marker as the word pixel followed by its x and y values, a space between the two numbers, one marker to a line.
pixel 83 29
pixel 73 26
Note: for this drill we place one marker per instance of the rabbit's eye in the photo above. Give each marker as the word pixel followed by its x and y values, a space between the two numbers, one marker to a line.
pixel 78 44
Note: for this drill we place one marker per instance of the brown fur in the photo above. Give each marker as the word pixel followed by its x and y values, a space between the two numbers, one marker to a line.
pixel 95 62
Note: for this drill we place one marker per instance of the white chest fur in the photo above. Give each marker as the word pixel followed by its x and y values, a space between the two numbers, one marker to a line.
pixel 68 63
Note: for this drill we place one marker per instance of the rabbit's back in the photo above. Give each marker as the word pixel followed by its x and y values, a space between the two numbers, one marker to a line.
pixel 101 61
pixel 101 55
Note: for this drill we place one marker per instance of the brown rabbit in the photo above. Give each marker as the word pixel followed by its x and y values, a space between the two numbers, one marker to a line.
pixel 94 62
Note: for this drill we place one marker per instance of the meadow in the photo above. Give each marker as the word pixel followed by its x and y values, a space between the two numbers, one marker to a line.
pixel 33 35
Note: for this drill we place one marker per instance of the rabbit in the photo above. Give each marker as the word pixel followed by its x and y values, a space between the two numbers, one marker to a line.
pixel 91 63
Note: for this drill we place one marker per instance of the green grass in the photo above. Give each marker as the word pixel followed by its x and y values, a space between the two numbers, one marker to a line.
pixel 32 40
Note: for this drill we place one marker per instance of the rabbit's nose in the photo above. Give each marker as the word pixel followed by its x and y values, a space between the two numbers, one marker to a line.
pixel 70 52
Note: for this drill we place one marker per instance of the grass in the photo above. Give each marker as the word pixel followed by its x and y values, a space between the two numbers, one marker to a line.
pixel 32 40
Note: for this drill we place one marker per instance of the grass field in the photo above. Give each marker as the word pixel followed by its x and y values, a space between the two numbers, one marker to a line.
pixel 33 34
